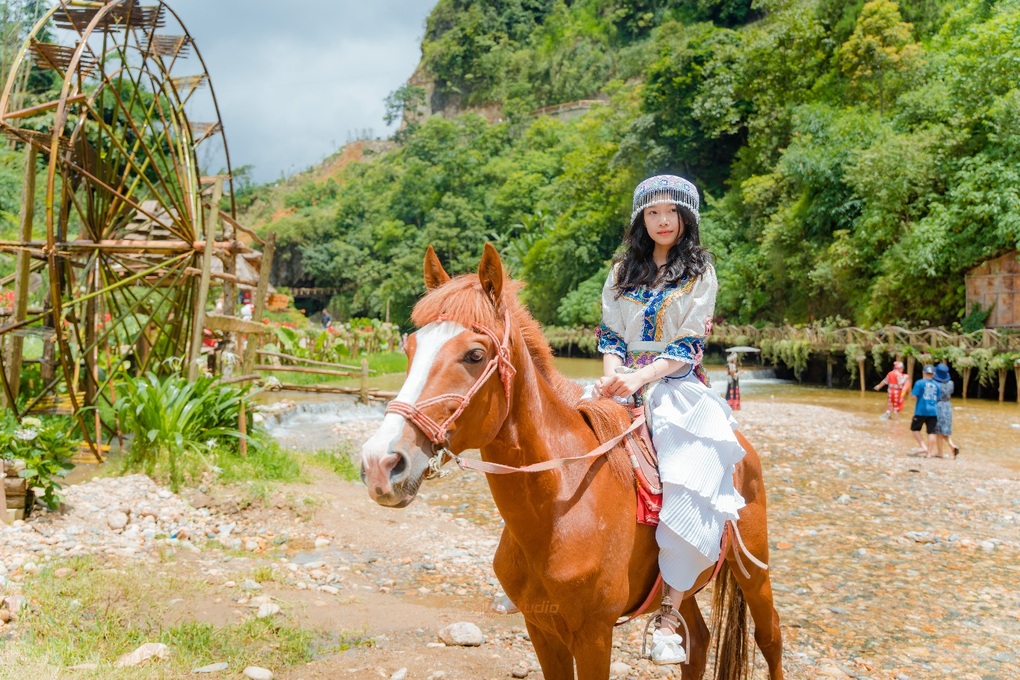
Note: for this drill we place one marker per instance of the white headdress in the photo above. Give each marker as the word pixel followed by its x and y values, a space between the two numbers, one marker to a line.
pixel 667 189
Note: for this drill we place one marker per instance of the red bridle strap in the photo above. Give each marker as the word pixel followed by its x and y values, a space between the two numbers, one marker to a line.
pixel 437 432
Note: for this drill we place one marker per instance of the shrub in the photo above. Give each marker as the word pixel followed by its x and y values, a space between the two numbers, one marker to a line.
pixel 46 448
pixel 176 422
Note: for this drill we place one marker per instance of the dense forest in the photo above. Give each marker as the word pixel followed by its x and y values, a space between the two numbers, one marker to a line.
pixel 855 158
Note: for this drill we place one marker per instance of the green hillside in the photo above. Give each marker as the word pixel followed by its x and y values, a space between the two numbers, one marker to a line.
pixel 856 159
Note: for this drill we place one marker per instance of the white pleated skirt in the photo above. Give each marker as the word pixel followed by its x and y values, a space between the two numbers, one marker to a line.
pixel 692 430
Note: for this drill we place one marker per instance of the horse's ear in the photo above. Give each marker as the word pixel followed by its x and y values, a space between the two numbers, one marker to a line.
pixel 435 275
pixel 490 273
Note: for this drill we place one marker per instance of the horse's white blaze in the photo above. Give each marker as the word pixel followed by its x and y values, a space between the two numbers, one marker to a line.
pixel 429 341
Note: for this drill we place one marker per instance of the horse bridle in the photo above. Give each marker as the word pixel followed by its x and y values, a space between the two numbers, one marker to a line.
pixel 438 432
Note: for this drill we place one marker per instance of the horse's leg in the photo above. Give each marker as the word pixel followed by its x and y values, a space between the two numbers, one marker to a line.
pixel 555 658
pixel 757 590
pixel 756 586
pixel 593 651
pixel 697 645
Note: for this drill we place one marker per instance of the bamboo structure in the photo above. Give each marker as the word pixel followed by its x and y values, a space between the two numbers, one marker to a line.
pixel 129 225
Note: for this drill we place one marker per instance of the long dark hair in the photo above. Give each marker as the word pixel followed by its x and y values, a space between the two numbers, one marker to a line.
pixel 686 259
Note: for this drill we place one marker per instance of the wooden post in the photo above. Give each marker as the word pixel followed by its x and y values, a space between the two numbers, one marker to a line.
pixel 3 494
pixel 22 269
pixel 860 372
pixel 966 380
pixel 364 381
pixel 1016 369
pixel 1002 385
pixel 242 425
pixel 260 302
pixel 828 370
pixel 203 286
pixel 910 368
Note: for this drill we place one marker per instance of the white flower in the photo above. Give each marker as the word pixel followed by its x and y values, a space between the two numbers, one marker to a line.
pixel 26 434
pixel 29 421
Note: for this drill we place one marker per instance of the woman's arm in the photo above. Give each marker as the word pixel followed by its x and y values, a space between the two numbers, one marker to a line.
pixel 625 384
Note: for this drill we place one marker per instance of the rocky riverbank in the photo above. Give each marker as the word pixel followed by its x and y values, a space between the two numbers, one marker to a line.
pixel 885 566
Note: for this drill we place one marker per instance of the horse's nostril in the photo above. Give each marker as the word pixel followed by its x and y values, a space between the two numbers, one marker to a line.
pixel 399 468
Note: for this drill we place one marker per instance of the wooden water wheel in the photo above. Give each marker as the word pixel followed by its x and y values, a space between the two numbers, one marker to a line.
pixel 128 218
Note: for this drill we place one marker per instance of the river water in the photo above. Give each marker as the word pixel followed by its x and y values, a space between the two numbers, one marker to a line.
pixel 986 430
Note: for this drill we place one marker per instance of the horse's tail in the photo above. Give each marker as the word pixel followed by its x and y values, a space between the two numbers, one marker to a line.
pixel 730 629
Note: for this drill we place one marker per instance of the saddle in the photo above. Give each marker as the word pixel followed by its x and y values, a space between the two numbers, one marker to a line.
pixel 645 463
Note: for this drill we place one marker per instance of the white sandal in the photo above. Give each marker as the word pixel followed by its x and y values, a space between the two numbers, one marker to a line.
pixel 667 648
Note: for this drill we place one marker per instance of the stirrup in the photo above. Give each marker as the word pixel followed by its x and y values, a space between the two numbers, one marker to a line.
pixel 667 648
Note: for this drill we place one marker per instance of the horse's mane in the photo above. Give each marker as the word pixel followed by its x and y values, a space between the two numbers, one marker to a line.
pixel 462 299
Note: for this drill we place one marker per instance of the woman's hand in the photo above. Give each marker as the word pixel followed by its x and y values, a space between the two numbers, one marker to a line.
pixel 621 385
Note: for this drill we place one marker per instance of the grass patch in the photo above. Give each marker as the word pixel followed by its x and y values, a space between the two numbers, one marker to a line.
pixel 265 573
pixel 100 613
pixel 382 363
pixel 267 462
pixel 338 461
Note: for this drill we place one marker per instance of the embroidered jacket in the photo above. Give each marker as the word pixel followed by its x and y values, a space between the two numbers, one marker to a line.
pixel 666 322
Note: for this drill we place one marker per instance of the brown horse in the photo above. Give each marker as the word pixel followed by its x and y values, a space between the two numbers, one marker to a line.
pixel 571 557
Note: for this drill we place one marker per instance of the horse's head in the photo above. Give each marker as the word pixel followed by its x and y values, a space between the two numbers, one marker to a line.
pixel 456 395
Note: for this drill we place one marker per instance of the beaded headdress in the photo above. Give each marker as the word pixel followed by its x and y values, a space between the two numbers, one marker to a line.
pixel 667 189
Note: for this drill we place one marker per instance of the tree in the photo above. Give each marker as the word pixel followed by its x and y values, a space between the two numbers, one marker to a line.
pixel 880 52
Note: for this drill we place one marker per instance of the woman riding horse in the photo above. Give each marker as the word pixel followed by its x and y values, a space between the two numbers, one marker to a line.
pixel 571 556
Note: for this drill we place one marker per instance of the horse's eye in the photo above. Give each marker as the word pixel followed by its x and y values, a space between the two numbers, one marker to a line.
pixel 475 356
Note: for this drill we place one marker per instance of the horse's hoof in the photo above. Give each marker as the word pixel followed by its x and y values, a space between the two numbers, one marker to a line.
pixel 503 605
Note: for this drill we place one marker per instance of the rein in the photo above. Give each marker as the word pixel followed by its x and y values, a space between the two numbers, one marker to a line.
pixel 438 433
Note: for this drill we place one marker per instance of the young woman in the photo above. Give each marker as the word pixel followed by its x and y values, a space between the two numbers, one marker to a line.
pixel 657 307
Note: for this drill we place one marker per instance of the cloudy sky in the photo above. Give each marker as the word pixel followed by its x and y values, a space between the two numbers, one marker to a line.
pixel 296 79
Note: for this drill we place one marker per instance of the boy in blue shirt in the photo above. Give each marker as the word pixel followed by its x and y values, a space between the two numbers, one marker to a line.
pixel 926 391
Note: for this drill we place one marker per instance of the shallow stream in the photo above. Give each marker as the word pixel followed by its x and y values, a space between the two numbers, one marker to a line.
pixel 984 429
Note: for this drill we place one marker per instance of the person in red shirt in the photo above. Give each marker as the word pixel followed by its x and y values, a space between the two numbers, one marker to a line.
pixel 896 379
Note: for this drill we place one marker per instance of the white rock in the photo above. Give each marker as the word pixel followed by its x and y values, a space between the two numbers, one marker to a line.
pixel 256 673
pixel 462 634
pixel 268 609
pixel 399 675
pixel 212 668
pixel 619 668
pixel 117 520
pixel 150 650
pixel 14 603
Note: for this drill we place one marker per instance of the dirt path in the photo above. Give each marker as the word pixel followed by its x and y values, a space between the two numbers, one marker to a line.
pixel 885 566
